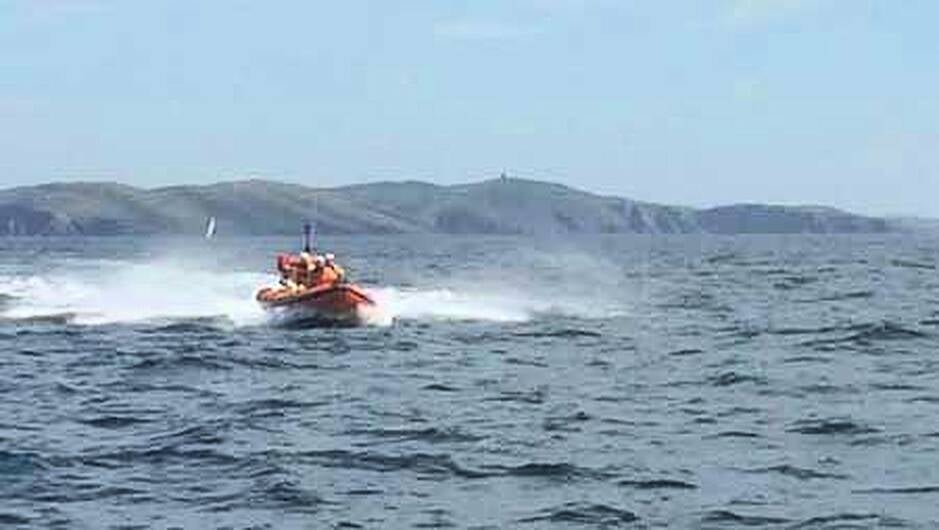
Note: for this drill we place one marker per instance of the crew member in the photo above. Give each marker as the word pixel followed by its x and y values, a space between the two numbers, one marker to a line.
pixel 283 266
pixel 336 273
pixel 287 270
pixel 306 266
pixel 315 271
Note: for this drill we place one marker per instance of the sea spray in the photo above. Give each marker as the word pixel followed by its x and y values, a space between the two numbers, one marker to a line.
pixel 496 305
pixel 509 285
pixel 446 304
pixel 205 282
pixel 129 292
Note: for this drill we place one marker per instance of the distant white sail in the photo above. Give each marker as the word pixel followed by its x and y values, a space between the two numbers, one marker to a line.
pixel 11 227
pixel 210 228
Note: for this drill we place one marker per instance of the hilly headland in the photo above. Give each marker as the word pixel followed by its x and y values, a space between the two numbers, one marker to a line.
pixel 498 206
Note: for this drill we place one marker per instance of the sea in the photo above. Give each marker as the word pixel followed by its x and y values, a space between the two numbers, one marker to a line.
pixel 693 381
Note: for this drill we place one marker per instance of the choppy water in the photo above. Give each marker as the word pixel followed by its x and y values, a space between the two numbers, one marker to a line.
pixel 640 382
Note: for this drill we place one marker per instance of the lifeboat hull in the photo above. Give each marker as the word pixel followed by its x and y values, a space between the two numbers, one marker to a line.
pixel 342 304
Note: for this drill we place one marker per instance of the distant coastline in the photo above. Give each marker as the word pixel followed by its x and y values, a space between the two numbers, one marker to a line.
pixel 499 206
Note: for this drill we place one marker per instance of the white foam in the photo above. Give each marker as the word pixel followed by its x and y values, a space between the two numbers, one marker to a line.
pixel 449 305
pixel 499 305
pixel 111 291
pixel 128 292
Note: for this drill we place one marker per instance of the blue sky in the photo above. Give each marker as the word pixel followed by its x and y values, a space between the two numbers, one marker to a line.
pixel 678 101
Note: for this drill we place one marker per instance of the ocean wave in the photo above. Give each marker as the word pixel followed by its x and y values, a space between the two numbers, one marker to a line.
pixel 601 515
pixel 735 378
pixel 658 484
pixel 831 426
pixel 906 490
pixel 849 520
pixel 727 517
pixel 432 435
pixel 800 473
pixel 431 465
pixel 868 334
pixel 550 471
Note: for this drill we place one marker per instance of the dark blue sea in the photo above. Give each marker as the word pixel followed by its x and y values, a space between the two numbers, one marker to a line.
pixel 628 381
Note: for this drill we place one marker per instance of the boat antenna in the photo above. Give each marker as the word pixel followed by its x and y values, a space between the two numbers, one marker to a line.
pixel 307 236
pixel 309 228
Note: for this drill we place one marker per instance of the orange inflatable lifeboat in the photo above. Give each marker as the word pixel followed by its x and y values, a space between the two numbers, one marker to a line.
pixel 340 303
pixel 313 289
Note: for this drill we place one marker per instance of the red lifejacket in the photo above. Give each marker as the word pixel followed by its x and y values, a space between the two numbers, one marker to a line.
pixel 283 263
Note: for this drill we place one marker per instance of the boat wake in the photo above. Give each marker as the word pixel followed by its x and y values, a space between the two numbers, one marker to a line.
pixel 497 305
pixel 113 292
pixel 109 292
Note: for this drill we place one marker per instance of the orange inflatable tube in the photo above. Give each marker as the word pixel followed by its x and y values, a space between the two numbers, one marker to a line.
pixel 338 301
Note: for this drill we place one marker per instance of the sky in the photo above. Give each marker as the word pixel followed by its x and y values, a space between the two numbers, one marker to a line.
pixel 693 102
